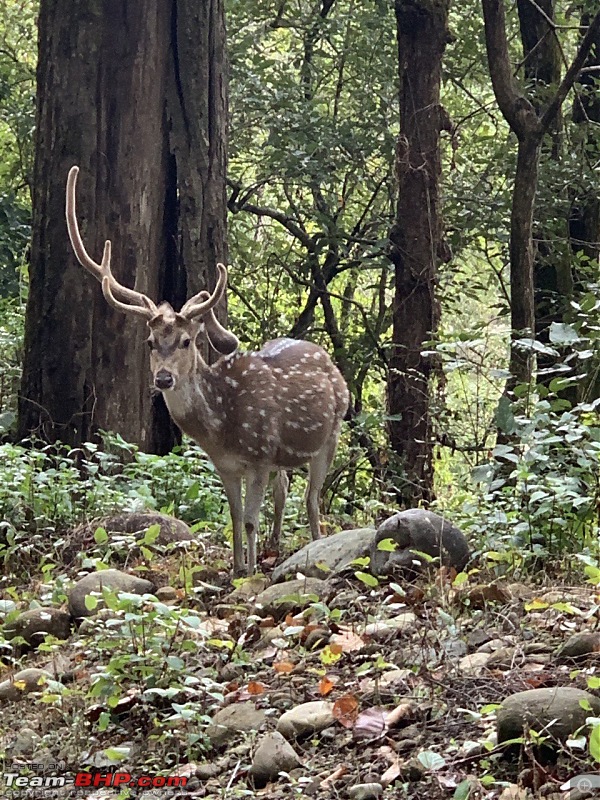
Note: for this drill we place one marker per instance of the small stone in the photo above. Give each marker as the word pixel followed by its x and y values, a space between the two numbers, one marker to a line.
pixel 22 683
pixel 366 791
pixel 273 755
pixel 112 579
pixel 305 719
pixel 556 710
pixel 236 718
pixel 473 663
pixel 579 646
pixel 166 594
pixel 284 598
pixel 382 629
pixel 25 743
pixel 35 624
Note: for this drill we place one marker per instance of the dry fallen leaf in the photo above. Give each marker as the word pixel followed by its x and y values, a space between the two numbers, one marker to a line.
pixel 345 710
pixel 328 782
pixel 325 686
pixel 347 640
pixel 254 688
pixel 283 667
pixel 370 724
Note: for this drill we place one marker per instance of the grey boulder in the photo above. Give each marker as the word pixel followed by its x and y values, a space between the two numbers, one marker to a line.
pixel 418 530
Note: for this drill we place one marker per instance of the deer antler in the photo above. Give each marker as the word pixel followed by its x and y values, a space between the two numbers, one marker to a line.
pixel 134 302
pixel 198 306
pixel 221 339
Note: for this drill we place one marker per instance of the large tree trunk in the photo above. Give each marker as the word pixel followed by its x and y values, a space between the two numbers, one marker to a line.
pixel 416 239
pixel 108 99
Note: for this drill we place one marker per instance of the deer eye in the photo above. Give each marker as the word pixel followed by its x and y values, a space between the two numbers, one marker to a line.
pixel 186 343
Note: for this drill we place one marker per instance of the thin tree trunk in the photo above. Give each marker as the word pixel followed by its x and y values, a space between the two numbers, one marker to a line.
pixel 416 240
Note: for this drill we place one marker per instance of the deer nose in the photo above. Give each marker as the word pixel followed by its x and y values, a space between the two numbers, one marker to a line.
pixel 164 380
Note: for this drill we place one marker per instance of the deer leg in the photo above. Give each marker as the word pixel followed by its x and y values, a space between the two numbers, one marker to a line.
pixel 256 486
pixel 317 472
pixel 233 490
pixel 280 489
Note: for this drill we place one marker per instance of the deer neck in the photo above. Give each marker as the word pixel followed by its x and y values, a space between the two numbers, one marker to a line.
pixel 191 404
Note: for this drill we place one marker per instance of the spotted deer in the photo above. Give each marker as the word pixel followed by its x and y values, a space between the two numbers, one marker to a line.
pixel 252 413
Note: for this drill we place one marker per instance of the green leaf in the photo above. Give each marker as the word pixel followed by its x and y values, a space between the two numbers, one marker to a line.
pixel 100 536
pixel 463 790
pixel 504 417
pixel 387 545
pixel 431 760
pixel 117 754
pixel 595 743
pixel 367 579
pixel 152 534
pixel 91 602
pixel 562 333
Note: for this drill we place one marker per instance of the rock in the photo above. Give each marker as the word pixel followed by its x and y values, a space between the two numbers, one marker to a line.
pixel 473 663
pixel 112 579
pixel 556 710
pixel 478 638
pixel 25 743
pixel 381 630
pixel 273 755
pixel 33 625
pixel 417 529
pixel 580 645
pixel 236 718
pixel 171 529
pixel 305 719
pixel 166 594
pixel 365 791
pixel 282 598
pixel 22 683
pixel 332 554
pixel 248 589
pixel 317 639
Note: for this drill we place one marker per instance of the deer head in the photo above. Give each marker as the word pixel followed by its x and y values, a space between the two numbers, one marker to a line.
pixel 173 335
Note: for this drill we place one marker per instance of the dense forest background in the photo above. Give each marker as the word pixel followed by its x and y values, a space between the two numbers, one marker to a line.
pixel 491 345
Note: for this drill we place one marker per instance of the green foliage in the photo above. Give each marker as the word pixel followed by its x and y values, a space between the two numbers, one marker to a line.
pixel 148 651
pixel 17 114
pixel 46 490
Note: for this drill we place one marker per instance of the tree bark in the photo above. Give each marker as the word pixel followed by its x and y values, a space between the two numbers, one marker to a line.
pixel 416 240
pixel 106 100
pixel 529 124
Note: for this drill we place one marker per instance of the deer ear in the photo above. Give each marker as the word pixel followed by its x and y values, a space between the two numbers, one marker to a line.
pixel 223 341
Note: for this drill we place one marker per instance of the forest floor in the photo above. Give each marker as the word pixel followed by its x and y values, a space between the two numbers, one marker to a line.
pixel 403 678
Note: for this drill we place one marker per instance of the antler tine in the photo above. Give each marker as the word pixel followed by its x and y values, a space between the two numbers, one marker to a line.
pixel 196 306
pixel 135 302
pixel 221 339
pixel 107 278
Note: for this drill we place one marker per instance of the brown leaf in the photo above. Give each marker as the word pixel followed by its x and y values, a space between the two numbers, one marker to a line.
pixel 326 685
pixel 254 688
pixel 283 667
pixel 347 640
pixel 345 710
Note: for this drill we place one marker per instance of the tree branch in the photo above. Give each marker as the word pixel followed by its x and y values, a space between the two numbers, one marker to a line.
pixel 517 109
pixel 572 73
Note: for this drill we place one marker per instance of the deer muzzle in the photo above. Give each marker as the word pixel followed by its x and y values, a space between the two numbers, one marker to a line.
pixel 164 380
